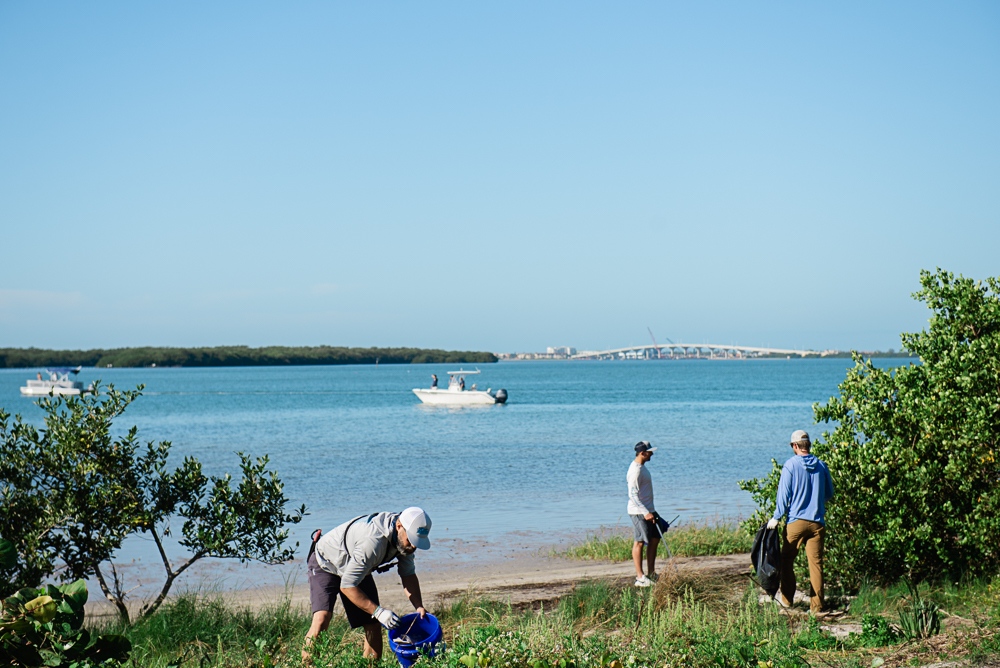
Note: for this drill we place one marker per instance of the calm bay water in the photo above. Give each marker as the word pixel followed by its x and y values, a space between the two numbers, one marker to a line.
pixel 348 440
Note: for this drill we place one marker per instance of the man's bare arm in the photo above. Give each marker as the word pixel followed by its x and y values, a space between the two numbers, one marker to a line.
pixel 411 587
pixel 358 598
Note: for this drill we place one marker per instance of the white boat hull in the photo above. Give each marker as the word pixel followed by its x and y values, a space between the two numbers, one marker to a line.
pixel 42 388
pixel 45 391
pixel 453 397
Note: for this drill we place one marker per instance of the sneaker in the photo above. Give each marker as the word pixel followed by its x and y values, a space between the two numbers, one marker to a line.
pixel 655 577
pixel 779 598
pixel 643 582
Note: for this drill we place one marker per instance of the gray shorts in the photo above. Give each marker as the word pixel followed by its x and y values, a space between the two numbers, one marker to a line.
pixel 643 530
pixel 324 588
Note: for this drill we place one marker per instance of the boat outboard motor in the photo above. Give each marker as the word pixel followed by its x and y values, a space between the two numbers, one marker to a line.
pixel 501 396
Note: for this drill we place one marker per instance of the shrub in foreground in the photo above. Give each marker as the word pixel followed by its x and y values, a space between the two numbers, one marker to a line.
pixel 43 627
pixel 915 454
pixel 72 492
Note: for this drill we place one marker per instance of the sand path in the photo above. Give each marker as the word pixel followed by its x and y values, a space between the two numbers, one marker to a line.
pixel 519 580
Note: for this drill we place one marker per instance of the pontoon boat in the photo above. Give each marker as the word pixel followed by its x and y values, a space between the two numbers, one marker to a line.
pixel 57 383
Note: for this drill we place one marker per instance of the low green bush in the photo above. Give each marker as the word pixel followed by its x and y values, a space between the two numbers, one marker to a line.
pixel 876 632
pixel 44 627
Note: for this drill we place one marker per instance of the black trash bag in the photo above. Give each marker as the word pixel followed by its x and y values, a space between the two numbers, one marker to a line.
pixel 766 559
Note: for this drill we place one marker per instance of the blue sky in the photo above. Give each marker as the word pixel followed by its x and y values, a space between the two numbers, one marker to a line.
pixel 491 176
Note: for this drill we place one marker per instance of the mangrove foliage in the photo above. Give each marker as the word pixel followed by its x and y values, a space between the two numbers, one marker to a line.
pixel 72 492
pixel 20 358
pixel 915 452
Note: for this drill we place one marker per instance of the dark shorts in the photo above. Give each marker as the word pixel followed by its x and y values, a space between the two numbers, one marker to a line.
pixel 324 588
pixel 643 530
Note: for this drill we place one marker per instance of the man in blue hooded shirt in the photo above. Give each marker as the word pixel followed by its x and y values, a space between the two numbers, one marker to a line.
pixel 803 490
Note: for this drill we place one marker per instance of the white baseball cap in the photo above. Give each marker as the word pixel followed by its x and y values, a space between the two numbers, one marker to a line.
pixel 800 436
pixel 417 525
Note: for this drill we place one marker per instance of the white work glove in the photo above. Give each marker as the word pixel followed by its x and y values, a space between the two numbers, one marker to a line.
pixel 772 523
pixel 386 618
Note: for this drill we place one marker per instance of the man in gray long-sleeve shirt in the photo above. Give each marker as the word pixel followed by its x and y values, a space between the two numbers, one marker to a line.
pixel 341 563
pixel 641 511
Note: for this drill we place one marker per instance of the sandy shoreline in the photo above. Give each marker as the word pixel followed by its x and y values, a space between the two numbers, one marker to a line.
pixel 525 576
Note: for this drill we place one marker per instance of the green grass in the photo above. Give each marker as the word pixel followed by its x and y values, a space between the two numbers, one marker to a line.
pixel 687 619
pixel 960 599
pixel 699 539
pixel 206 630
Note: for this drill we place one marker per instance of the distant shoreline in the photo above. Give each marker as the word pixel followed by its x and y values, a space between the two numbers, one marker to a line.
pixel 230 356
pixel 545 357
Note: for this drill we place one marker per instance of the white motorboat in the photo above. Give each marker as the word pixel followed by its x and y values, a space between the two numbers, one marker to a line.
pixel 58 382
pixel 457 394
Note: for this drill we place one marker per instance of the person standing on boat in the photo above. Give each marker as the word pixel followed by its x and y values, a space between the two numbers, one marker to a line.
pixel 640 509
pixel 434 381
pixel 342 561
pixel 461 383
pixel 804 488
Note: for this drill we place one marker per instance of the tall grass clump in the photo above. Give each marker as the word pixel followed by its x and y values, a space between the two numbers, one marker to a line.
pixel 599 604
pixel 697 539
pixel 206 630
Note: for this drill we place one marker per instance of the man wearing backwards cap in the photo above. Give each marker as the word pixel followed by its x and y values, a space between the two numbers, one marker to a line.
pixel 341 563
pixel 640 509
pixel 803 490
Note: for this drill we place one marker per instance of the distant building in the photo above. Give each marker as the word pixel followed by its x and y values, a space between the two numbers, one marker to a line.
pixel 551 353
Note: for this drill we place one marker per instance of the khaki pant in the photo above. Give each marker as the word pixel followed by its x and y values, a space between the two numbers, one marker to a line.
pixel 811 535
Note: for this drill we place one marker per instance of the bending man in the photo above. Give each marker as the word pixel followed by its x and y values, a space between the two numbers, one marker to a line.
pixel 341 563
pixel 803 490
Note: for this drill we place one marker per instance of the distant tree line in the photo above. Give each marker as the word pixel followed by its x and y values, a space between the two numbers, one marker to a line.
pixel 12 358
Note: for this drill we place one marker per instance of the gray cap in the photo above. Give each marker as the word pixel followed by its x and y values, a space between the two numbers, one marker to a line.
pixel 643 446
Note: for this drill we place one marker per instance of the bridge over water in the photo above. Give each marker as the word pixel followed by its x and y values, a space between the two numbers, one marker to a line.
pixel 688 350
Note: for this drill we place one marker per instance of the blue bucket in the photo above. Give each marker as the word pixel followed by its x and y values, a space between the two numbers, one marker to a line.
pixel 424 634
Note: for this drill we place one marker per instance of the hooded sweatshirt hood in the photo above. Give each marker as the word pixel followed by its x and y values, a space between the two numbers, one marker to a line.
pixel 809 462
